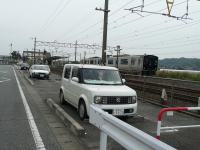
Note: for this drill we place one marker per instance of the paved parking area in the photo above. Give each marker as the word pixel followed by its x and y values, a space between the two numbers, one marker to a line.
pixel 186 139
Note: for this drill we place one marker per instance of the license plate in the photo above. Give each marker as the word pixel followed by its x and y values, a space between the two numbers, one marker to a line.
pixel 118 112
pixel 41 75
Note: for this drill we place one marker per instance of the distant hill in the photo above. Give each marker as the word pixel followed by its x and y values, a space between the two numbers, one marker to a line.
pixel 180 63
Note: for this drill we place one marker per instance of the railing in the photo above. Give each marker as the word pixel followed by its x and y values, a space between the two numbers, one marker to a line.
pixel 170 111
pixel 126 135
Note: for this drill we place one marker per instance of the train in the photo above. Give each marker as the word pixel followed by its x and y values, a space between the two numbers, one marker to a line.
pixel 135 64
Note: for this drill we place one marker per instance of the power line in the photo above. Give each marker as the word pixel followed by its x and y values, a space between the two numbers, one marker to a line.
pixel 52 14
pixel 54 17
pixel 134 20
pixel 173 28
pixel 122 37
pixel 117 10
pixel 166 47
pixel 182 40
pixel 123 16
pixel 98 22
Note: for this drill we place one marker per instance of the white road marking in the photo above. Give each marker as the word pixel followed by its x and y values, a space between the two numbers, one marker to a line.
pixel 169 130
pixel 36 135
pixel 5 80
pixel 4 72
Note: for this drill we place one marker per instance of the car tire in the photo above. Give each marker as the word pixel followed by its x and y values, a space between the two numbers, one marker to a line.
pixel 82 111
pixel 61 96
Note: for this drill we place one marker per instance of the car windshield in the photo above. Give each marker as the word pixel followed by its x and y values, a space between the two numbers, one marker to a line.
pixel 101 77
pixel 40 67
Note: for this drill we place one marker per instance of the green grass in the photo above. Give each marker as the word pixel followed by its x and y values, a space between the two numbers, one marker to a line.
pixel 179 75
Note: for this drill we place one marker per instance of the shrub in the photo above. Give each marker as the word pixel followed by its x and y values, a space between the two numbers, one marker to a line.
pixel 179 75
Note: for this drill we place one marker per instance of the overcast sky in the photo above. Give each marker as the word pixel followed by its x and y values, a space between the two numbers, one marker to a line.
pixel 71 20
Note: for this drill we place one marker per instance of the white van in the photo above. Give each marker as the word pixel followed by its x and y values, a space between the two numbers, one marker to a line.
pixel 83 85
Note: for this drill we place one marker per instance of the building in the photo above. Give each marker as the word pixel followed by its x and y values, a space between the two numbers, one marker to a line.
pixel 4 59
pixel 40 56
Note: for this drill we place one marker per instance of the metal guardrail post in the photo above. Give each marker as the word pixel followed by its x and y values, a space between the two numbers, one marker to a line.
pixel 103 141
pixel 126 135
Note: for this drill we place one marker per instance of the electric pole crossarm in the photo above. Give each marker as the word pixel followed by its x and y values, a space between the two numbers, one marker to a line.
pixel 72 45
pixel 169 7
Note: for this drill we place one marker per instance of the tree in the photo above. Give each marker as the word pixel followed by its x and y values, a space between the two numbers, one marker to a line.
pixel 16 55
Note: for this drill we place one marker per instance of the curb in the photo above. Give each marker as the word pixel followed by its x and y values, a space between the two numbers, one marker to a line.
pixel 74 126
pixel 31 82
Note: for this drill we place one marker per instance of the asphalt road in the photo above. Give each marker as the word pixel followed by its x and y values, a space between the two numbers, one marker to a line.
pixel 184 139
pixel 15 128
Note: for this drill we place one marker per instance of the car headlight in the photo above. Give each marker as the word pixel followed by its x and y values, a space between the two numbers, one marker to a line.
pixel 100 100
pixel 132 100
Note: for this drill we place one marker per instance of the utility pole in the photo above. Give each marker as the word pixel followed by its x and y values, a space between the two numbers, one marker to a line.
pixel 118 53
pixel 105 24
pixel 84 57
pixel 75 50
pixel 11 51
pixel 34 49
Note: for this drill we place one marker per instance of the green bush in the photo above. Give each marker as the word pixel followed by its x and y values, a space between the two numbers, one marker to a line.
pixel 179 75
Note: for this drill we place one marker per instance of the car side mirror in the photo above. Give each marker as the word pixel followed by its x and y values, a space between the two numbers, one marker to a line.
pixel 75 79
pixel 124 81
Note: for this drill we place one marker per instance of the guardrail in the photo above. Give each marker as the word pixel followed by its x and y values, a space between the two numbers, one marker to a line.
pixel 128 136
pixel 170 111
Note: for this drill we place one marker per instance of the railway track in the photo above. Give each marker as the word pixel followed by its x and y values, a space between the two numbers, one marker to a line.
pixel 179 92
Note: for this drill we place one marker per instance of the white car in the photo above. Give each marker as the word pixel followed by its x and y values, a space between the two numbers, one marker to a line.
pixel 39 71
pixel 102 86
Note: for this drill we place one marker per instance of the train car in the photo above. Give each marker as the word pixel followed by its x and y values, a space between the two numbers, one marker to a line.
pixel 135 64
pixel 92 61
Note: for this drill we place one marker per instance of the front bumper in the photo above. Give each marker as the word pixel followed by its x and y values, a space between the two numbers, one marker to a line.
pixel 120 110
pixel 40 75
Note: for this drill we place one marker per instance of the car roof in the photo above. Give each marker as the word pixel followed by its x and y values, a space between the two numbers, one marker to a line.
pixel 92 66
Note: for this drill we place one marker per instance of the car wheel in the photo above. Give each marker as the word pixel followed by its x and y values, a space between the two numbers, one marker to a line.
pixel 62 100
pixel 82 111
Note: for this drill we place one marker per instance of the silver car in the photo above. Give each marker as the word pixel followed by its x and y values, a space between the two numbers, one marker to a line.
pixel 39 71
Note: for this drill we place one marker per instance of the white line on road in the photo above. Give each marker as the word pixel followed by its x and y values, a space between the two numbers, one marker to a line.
pixel 4 80
pixel 36 135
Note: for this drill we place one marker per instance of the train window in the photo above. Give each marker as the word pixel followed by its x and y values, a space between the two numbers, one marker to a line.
pixel 139 61
pixel 124 61
pixel 110 61
pixel 132 61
